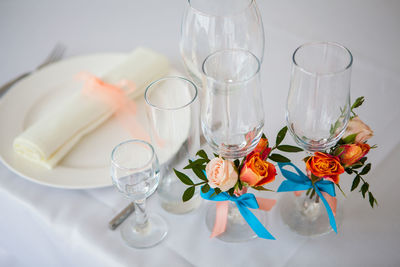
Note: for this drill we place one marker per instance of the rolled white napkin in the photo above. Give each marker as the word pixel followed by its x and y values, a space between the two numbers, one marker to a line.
pixel 48 140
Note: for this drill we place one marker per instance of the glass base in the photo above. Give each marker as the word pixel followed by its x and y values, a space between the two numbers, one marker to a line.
pixel 237 229
pixel 148 236
pixel 305 217
pixel 170 196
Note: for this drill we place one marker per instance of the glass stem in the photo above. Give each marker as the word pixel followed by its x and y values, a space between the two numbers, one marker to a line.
pixel 140 213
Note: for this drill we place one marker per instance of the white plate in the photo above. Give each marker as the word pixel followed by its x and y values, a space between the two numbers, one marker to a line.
pixel 87 164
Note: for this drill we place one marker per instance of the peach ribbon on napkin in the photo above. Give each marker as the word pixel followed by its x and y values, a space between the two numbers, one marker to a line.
pixel 113 95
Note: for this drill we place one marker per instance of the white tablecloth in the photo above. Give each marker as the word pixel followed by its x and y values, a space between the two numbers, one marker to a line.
pixel 43 226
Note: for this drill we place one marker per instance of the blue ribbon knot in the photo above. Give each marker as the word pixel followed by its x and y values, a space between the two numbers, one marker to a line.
pixel 300 182
pixel 243 202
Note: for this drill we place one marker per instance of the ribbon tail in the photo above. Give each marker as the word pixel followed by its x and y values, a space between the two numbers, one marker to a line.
pixel 221 218
pixel 332 220
pixel 332 201
pixel 265 203
pixel 253 222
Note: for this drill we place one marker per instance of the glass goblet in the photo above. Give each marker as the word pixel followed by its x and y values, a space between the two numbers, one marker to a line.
pixel 318 103
pixel 317 113
pixel 232 119
pixel 209 26
pixel 232 115
pixel 135 173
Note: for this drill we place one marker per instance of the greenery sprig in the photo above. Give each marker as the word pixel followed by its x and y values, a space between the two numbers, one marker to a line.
pixel 198 166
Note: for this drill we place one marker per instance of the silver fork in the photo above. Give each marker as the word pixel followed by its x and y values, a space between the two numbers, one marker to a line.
pixel 55 55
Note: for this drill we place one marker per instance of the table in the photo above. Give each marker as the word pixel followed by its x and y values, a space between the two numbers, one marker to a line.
pixel 44 226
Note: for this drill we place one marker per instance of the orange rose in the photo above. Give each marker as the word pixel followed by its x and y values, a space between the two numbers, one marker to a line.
pixel 325 166
pixel 352 153
pixel 257 172
pixel 263 144
pixel 262 148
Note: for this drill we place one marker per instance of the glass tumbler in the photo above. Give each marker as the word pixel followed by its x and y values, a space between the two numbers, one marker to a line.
pixel 173 114
pixel 135 173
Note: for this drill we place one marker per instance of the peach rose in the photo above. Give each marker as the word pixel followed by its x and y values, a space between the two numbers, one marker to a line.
pixel 352 153
pixel 257 172
pixel 357 126
pixel 221 173
pixel 325 166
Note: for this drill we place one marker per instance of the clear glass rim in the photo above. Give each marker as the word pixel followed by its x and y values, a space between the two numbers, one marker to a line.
pixel 251 2
pixel 133 141
pixel 348 66
pixel 256 72
pixel 146 97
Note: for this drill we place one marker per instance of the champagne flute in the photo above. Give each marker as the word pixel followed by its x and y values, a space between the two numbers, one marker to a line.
pixel 317 114
pixel 135 173
pixel 318 103
pixel 209 25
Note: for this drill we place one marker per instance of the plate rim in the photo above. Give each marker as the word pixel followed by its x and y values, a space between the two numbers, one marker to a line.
pixel 3 99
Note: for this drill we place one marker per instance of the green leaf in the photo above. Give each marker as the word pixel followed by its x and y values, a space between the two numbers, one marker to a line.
pixel 200 174
pixel 334 127
pixel 358 102
pixel 338 186
pixel 338 151
pixel 231 191
pixel 356 182
pixel 216 192
pixel 314 178
pixel 202 154
pixel 281 135
pixel 188 194
pixel 366 169
pixel 363 160
pixel 349 170
pixel 288 148
pixel 263 136
pixel 349 139
pixel 183 177
pixel 237 163
pixel 357 165
pixel 364 189
pixel 197 162
pixel 278 158
pixel 261 188
pixel 216 155
pixel 240 185
pixel 205 188
pixel 306 158
pixel 371 199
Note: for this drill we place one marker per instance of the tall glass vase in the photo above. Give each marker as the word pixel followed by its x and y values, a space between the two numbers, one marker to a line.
pixel 173 113
pixel 232 119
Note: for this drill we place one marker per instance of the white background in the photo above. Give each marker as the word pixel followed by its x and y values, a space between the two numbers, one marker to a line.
pixel 43 226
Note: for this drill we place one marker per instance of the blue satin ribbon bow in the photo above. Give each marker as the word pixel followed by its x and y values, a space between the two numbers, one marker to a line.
pixel 300 182
pixel 243 202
